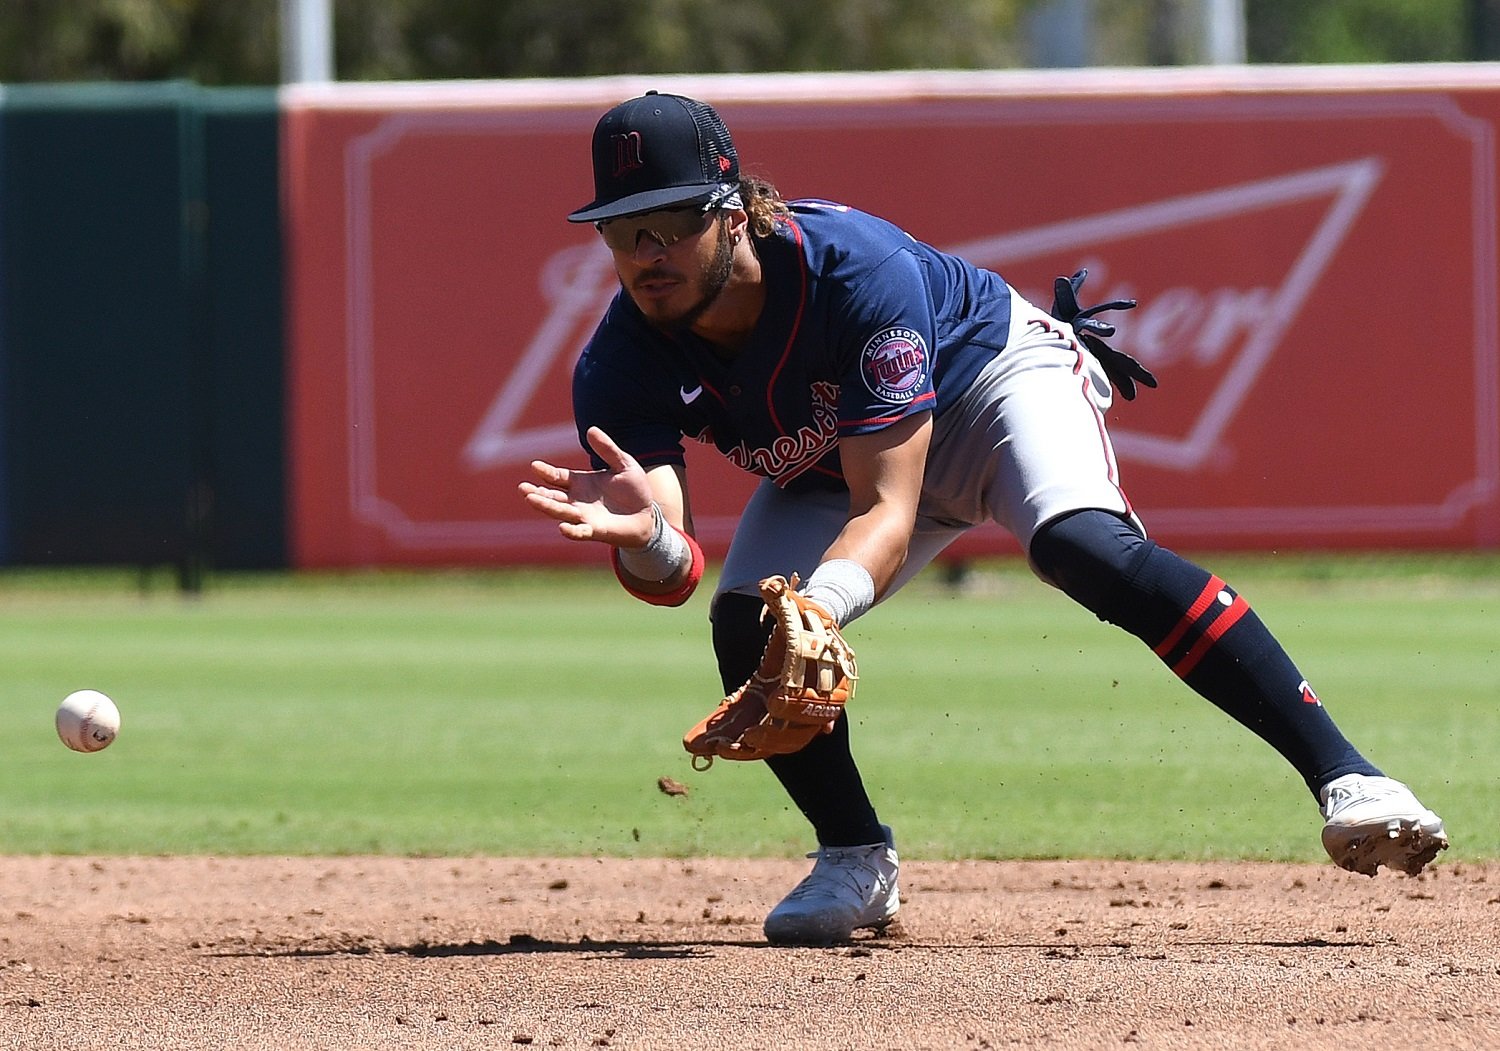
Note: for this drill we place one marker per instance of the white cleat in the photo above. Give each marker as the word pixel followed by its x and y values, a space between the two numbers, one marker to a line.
pixel 1374 821
pixel 849 888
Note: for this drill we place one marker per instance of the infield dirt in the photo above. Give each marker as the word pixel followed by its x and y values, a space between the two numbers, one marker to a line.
pixel 377 953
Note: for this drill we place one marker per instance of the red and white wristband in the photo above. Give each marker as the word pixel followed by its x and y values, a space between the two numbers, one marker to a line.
pixel 667 552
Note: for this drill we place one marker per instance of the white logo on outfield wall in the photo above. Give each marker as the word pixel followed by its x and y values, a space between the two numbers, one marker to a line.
pixel 1232 330
pixel 1220 339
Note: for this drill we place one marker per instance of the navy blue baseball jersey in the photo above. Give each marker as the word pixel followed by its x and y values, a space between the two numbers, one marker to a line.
pixel 862 325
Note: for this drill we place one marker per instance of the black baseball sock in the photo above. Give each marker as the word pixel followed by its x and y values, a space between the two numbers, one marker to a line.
pixel 822 779
pixel 1202 630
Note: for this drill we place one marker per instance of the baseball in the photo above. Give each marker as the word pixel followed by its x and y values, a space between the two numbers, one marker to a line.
pixel 87 721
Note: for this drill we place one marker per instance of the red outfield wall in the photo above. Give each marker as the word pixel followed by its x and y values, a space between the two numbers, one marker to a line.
pixel 1314 251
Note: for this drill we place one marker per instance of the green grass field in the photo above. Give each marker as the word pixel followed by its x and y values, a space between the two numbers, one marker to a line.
pixel 533 712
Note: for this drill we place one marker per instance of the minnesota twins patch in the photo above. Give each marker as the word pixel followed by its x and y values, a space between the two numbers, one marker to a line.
pixel 894 364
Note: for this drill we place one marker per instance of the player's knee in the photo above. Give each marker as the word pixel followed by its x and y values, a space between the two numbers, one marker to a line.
pixel 739 636
pixel 1090 556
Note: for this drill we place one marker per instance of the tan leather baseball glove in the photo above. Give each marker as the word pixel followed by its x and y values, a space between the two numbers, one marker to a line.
pixel 806 676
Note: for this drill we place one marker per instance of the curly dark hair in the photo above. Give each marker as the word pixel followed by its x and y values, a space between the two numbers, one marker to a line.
pixel 763 202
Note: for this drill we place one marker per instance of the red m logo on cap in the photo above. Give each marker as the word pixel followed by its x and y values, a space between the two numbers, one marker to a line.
pixel 627 152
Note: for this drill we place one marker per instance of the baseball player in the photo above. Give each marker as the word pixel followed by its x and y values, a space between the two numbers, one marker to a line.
pixel 890 396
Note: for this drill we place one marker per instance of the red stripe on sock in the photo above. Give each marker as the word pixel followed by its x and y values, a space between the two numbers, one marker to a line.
pixel 1222 623
pixel 1199 607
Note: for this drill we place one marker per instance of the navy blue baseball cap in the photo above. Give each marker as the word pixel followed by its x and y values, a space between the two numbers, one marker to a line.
pixel 658 151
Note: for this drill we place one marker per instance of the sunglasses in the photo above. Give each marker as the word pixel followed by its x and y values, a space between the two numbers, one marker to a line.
pixel 666 227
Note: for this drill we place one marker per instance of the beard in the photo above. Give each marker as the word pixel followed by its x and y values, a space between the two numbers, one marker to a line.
pixel 713 279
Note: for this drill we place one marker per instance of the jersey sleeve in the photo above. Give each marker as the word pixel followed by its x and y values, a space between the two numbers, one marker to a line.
pixel 886 346
pixel 616 398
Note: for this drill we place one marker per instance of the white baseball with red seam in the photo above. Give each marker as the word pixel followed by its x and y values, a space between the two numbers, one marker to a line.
pixel 87 721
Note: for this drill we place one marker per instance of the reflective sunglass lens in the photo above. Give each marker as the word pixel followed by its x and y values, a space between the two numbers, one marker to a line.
pixel 665 227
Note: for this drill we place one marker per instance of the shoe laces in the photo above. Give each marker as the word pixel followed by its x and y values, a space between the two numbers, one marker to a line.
pixel 842 868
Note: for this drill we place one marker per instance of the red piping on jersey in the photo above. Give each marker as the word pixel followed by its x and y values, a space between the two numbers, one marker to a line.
pixel 917 403
pixel 796 327
pixel 660 456
pixel 797 469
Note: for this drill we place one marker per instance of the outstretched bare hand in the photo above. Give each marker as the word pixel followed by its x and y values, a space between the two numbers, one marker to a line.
pixel 612 506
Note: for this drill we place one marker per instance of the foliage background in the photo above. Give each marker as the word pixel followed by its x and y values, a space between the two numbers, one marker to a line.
pixel 223 42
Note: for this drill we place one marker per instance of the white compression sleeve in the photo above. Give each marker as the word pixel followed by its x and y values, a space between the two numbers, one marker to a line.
pixel 664 554
pixel 843 587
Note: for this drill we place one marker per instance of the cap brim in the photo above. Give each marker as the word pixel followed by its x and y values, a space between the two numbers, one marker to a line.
pixel 648 201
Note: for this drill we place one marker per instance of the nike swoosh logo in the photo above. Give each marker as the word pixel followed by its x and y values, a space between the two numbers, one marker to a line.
pixel 690 396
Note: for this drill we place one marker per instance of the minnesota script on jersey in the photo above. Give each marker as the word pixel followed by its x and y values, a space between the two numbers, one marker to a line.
pixel 862 325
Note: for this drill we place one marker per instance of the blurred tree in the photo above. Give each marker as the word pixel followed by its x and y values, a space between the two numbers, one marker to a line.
pixel 1357 31
pixel 210 41
pixel 541 38
pixel 238 41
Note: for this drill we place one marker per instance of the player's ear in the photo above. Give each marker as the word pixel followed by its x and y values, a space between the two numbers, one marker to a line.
pixel 737 224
